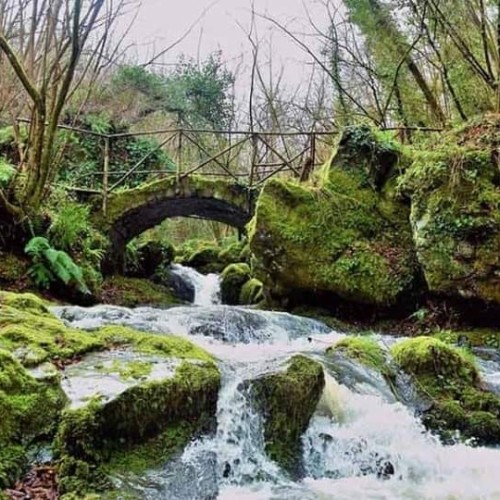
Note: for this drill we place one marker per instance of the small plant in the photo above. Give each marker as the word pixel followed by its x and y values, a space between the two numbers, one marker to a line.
pixel 50 265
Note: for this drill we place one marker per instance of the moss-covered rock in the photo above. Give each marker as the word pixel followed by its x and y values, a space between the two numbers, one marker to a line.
pixel 252 292
pixel 168 391
pixel 29 410
pixel 455 219
pixel 473 338
pixel 233 278
pixel 230 253
pixel 347 238
pixel 148 257
pixel 362 349
pixel 132 292
pixel 288 400
pixel 103 431
pixel 200 255
pixel 34 335
pixel 449 378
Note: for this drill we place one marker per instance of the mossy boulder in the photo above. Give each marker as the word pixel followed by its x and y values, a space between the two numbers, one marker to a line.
pixel 455 219
pixel 347 238
pixel 252 292
pixel 151 410
pixel 167 391
pixel 287 400
pixel 233 278
pixel 201 255
pixel 133 292
pixel 148 257
pixel 362 349
pixel 448 377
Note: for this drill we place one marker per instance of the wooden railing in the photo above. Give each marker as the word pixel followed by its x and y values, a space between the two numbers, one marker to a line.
pixel 248 158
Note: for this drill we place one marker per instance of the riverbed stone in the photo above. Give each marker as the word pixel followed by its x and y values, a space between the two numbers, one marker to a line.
pixel 449 378
pixel 288 400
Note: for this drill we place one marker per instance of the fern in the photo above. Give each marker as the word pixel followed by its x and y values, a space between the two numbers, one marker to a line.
pixel 6 172
pixel 51 265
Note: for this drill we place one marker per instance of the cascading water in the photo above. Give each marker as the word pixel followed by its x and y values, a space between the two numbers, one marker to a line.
pixel 206 287
pixel 362 442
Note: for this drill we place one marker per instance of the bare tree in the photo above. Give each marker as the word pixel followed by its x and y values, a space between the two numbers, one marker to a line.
pixel 48 48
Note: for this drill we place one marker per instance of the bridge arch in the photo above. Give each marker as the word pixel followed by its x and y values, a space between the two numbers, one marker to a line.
pixel 131 212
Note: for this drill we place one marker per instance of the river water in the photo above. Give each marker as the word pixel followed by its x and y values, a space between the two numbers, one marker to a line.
pixel 362 443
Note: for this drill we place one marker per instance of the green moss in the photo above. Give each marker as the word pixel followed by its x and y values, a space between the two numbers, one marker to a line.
pixel 233 278
pixel 288 400
pixel 251 292
pixel 448 376
pixel 29 410
pixel 363 349
pixel 455 217
pixel 105 432
pixel 34 335
pixel 167 345
pixel 132 292
pixel 153 453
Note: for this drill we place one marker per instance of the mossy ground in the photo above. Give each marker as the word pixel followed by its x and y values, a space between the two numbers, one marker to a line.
pixel 132 292
pixel 449 378
pixel 288 400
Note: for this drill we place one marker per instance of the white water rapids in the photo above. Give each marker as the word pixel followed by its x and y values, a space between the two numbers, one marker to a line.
pixel 362 443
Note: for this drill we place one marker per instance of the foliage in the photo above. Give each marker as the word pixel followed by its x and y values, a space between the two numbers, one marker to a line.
pixel 51 265
pixel 6 172
pixel 82 160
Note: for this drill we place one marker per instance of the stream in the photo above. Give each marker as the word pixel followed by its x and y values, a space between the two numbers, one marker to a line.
pixel 362 442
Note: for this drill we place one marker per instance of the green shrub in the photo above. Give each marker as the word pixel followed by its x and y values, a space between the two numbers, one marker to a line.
pixel 51 265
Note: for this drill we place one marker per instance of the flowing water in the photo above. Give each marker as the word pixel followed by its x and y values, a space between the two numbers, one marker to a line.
pixel 362 442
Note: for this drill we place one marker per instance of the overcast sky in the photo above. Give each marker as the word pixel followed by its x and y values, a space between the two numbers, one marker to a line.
pixel 160 22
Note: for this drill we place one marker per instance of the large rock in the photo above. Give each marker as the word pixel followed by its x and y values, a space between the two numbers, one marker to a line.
pixel 450 380
pixel 455 219
pixel 127 398
pixel 233 278
pixel 288 400
pixel 120 400
pixel 348 237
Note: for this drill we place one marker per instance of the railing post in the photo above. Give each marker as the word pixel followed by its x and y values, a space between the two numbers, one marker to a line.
pixel 105 179
pixel 254 159
pixel 179 157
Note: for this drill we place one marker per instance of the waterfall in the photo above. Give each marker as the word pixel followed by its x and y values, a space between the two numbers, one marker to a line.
pixel 207 287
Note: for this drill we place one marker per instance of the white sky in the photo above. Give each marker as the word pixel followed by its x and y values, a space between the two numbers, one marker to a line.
pixel 160 22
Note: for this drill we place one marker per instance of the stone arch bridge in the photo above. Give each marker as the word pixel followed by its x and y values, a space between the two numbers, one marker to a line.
pixel 131 212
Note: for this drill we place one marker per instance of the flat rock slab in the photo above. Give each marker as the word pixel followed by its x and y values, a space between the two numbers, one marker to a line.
pixel 108 374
